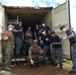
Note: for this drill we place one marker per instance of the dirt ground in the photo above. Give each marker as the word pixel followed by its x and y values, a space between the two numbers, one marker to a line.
pixel 48 69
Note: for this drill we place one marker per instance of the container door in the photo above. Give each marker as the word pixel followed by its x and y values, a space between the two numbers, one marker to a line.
pixel 2 23
pixel 60 17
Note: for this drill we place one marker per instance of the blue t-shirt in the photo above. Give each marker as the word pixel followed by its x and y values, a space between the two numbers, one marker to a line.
pixel 55 40
pixel 45 39
pixel 69 32
pixel 20 33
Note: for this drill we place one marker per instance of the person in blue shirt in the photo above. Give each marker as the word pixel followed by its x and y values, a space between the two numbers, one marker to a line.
pixel 45 40
pixel 45 28
pixel 18 34
pixel 55 46
pixel 71 35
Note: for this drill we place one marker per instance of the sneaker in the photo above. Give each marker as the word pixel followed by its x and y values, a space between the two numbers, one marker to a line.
pixel 72 72
pixel 37 64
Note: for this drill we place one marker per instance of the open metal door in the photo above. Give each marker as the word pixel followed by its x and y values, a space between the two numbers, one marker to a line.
pixel 60 17
pixel 2 23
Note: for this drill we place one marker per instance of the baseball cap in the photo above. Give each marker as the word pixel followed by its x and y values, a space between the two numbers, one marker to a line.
pixel 34 41
pixel 52 32
pixel 62 27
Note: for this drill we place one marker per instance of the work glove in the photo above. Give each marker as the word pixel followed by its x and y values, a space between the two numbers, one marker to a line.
pixel 54 43
pixel 20 30
pixel 32 62
pixel 47 39
pixel 64 38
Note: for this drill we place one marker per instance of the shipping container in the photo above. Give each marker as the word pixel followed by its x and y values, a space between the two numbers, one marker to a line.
pixel 53 17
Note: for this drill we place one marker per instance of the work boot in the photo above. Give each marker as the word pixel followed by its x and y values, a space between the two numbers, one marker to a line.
pixel 8 68
pixel 61 66
pixel 72 72
pixel 31 66
pixel 55 65
pixel 37 64
pixel 43 63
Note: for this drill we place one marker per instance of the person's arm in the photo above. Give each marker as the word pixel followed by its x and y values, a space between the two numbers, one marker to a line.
pixel 30 54
pixel 40 31
pixel 13 39
pixel 41 41
pixel 16 31
pixel 5 36
pixel 35 35
pixel 31 34
pixel 51 47
pixel 70 36
pixel 58 43
pixel 40 50
pixel 25 33
pixel 48 29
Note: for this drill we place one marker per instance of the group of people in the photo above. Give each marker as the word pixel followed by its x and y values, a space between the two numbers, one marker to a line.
pixel 45 41
pixel 12 43
pixel 49 42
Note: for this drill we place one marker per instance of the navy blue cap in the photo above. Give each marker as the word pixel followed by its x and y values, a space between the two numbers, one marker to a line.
pixel 52 32
pixel 62 27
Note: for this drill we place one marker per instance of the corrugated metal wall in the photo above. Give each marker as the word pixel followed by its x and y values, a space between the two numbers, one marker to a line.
pixel 2 28
pixel 60 17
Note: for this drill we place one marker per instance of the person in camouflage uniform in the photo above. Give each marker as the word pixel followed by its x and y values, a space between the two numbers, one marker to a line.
pixel 35 53
pixel 28 36
pixel 8 40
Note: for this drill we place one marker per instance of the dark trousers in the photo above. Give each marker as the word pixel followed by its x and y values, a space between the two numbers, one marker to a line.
pixel 45 48
pixel 53 56
pixel 74 57
pixel 18 46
